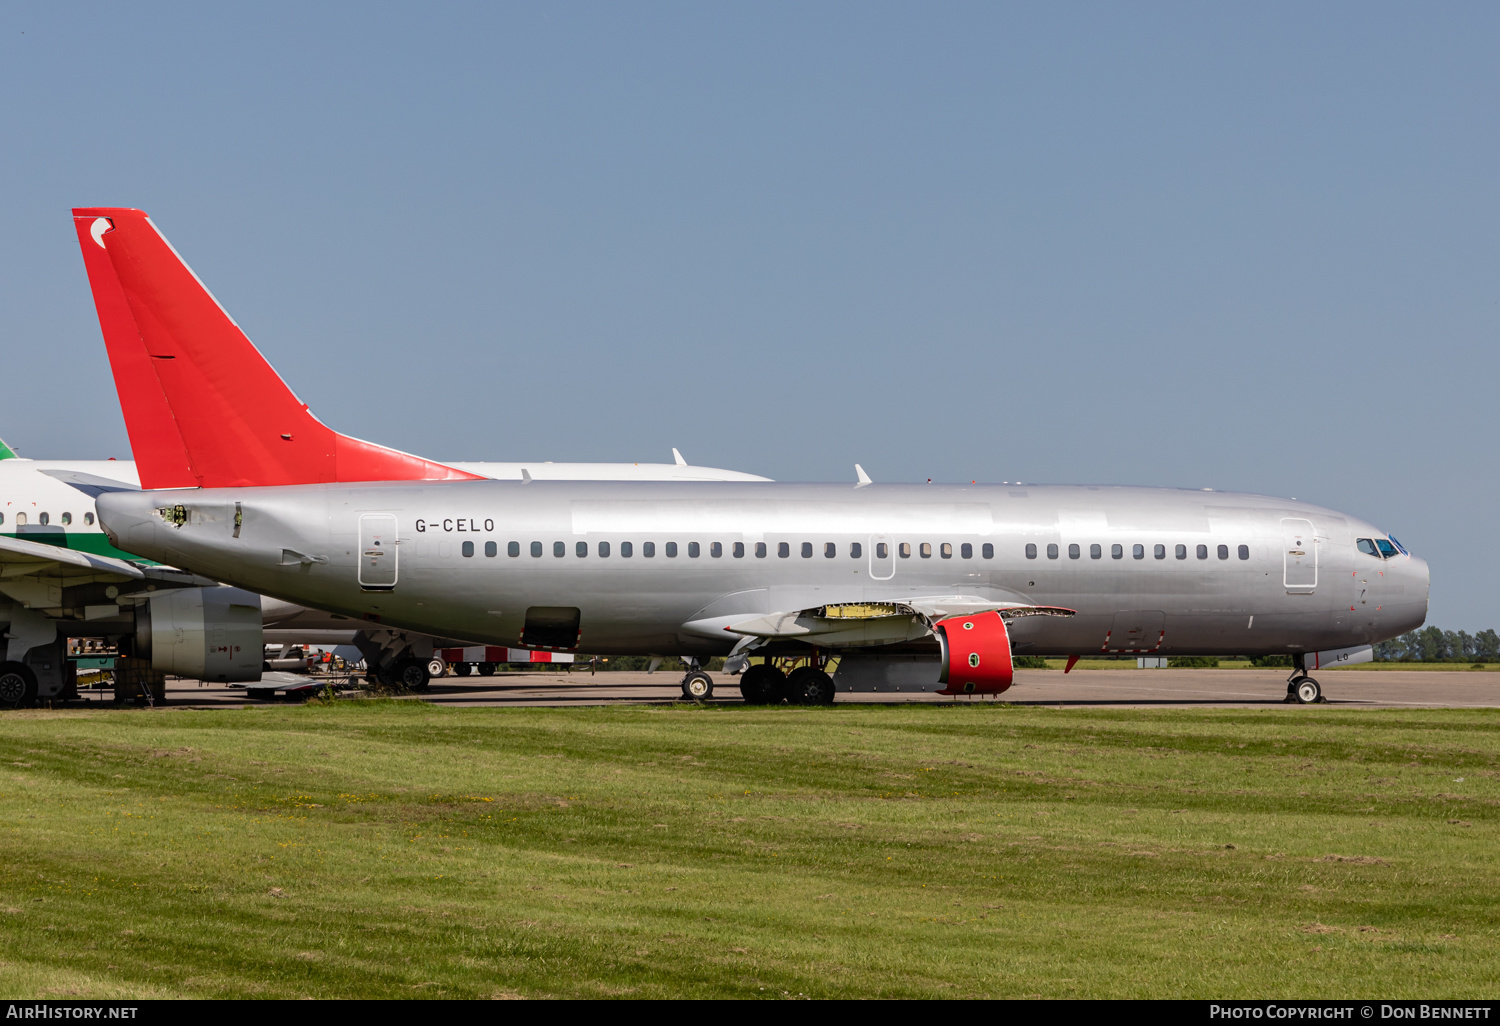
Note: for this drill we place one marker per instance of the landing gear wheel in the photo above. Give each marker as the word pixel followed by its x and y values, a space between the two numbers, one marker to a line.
pixel 436 667
pixel 697 687
pixel 17 686
pixel 411 674
pixel 1308 691
pixel 761 684
pixel 486 669
pixel 809 685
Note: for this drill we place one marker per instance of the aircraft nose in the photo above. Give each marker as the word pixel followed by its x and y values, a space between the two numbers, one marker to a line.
pixel 1411 602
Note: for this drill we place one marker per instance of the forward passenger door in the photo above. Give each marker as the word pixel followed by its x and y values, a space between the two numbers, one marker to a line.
pixel 1299 545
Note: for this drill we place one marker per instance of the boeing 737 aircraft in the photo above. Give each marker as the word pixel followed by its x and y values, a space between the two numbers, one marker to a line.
pixel 915 587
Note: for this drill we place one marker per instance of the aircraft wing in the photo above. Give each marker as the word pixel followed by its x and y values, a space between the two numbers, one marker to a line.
pixel 868 623
pixel 19 558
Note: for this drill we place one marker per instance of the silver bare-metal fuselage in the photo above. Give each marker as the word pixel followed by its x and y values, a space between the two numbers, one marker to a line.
pixel 1302 585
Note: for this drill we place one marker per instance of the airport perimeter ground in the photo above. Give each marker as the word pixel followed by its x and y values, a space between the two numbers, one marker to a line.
pixel 1101 842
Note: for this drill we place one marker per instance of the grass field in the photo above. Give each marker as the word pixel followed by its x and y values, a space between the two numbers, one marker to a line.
pixel 393 849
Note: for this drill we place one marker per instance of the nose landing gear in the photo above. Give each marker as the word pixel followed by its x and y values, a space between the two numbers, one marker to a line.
pixel 1303 689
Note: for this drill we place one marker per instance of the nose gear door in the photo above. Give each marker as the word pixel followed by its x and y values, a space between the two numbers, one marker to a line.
pixel 377 551
pixel 1299 545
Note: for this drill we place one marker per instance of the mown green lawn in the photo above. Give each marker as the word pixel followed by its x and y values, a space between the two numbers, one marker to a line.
pixel 395 849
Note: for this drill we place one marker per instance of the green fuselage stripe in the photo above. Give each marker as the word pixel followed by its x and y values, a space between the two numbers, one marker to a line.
pixel 93 543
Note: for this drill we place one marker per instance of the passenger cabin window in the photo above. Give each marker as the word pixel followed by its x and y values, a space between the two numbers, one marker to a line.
pixel 1182 552
pixel 1052 550
pixel 513 548
pixel 783 549
pixel 670 549
pixel 807 550
pixel 1387 550
pixel 44 519
pixel 692 550
pixel 491 549
pixel 1074 551
pixel 626 550
pixel 88 518
pixel 1030 550
pixel 966 551
pixel 904 548
pixel 536 548
pixel 1117 551
pixel 20 519
pixel 926 550
pixel 739 550
pixel 987 551
pixel 2 518
pixel 882 550
pixel 559 549
pixel 1138 551
pixel 1096 552
pixel 760 550
pixel 604 548
pixel 856 550
pixel 67 518
pixel 830 550
pixel 1202 551
pixel 1223 551
pixel 467 548
pixel 716 549
pixel 648 549
pixel 582 548
pixel 1160 552
pixel 1244 552
pixel 946 550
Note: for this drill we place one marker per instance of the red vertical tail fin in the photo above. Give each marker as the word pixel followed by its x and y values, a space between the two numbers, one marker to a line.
pixel 160 457
pixel 236 421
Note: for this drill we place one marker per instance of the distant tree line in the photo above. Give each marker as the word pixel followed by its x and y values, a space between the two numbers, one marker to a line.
pixel 1435 645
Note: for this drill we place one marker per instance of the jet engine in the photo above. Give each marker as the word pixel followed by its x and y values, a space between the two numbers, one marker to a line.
pixel 975 654
pixel 205 633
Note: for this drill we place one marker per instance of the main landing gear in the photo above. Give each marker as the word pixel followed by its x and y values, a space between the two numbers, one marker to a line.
pixel 765 684
pixel 411 674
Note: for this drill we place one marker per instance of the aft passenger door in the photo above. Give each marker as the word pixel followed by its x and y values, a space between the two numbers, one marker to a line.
pixel 1299 546
pixel 378 552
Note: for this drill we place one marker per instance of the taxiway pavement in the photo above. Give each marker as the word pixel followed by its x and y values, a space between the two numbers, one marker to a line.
pixel 1125 689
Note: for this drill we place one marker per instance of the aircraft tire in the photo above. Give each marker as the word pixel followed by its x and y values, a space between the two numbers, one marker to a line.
pixel 486 669
pixel 697 687
pixel 761 684
pixel 436 667
pixel 17 685
pixel 411 674
pixel 1308 691
pixel 809 685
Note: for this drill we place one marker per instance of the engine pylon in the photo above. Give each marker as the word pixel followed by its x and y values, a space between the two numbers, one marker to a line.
pixel 976 654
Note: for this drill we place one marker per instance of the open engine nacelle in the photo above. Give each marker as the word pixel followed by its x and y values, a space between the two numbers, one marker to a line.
pixel 205 633
pixel 975 654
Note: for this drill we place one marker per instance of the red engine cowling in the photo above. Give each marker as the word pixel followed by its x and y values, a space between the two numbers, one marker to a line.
pixel 976 654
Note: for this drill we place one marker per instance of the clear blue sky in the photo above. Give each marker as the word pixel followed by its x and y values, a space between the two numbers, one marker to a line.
pixel 1246 246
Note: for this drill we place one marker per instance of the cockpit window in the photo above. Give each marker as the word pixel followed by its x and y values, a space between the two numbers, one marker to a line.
pixel 1399 547
pixel 1367 546
pixel 1387 550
